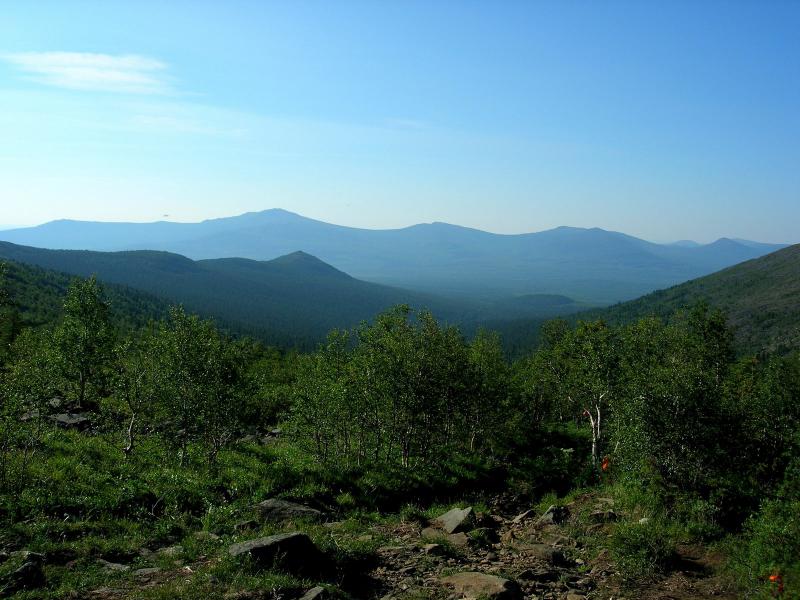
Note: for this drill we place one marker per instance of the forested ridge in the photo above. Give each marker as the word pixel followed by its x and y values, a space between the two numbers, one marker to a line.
pixel 758 296
pixel 161 458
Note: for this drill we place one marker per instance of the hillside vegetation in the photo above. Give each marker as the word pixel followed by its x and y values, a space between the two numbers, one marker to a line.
pixel 291 301
pixel 760 297
pixel 397 460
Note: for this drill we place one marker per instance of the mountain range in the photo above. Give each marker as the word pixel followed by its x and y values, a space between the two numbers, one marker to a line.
pixel 293 300
pixel 591 266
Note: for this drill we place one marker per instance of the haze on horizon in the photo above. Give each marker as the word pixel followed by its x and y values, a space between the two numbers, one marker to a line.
pixel 664 121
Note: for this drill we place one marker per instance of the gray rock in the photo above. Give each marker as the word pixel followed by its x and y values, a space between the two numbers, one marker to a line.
pixel 546 553
pixel 112 566
pixel 245 525
pixel 275 510
pixel 147 572
pixel 70 421
pixel 603 516
pixel 170 551
pixel 455 520
pixel 480 585
pixel 554 515
pixel 316 593
pixel 540 575
pixel 29 576
pixel 293 551
pixel 522 517
pixel 459 540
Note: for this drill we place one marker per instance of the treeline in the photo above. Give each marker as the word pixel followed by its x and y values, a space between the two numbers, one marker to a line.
pixel 664 408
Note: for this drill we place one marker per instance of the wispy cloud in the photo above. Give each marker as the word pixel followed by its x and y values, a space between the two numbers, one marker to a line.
pixel 124 73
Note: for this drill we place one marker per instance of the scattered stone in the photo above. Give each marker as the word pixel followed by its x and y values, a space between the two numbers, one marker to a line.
pixel 76 421
pixel 480 585
pixel 29 576
pixel 522 516
pixel 433 549
pixel 316 593
pixel 644 521
pixel 206 536
pixel 294 551
pixel 29 415
pixel 571 596
pixel 484 534
pixel 554 515
pixel 112 566
pixel 545 553
pixel 540 575
pixel 603 516
pixel 245 525
pixel 460 540
pixel 147 572
pixel 456 520
pixel 171 551
pixel 391 550
pixel 275 510
pixel 508 536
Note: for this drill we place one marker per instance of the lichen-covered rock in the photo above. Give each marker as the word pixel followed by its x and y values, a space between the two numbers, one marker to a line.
pixel 275 510
pixel 455 520
pixel 293 551
pixel 480 585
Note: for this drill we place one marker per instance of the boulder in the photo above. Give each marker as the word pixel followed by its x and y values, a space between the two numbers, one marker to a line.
pixel 554 515
pixel 292 551
pixel 147 572
pixel 480 585
pixel 275 510
pixel 459 540
pixel 112 566
pixel 522 517
pixel 545 553
pixel 316 593
pixel 603 516
pixel 540 575
pixel 455 520
pixel 29 576
pixel 70 421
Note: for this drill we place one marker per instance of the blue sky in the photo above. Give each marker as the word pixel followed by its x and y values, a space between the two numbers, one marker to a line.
pixel 666 120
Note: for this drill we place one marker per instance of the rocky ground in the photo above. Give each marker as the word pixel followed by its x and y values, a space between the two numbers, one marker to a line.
pixel 498 553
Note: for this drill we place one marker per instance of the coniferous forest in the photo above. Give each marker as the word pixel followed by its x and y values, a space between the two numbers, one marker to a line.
pixel 145 453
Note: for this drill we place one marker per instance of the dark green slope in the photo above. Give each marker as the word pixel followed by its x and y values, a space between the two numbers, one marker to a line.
pixel 38 295
pixel 292 300
pixel 761 297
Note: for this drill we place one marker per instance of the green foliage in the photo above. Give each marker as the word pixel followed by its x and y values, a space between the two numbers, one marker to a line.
pixel 405 392
pixel 195 386
pixel 30 381
pixel 641 549
pixel 770 544
pixel 84 338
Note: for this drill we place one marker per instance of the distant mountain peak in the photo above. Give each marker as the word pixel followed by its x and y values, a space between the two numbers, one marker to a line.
pixel 300 260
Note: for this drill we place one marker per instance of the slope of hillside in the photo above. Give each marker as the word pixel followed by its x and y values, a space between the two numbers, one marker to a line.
pixel 38 295
pixel 590 265
pixel 761 297
pixel 293 300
